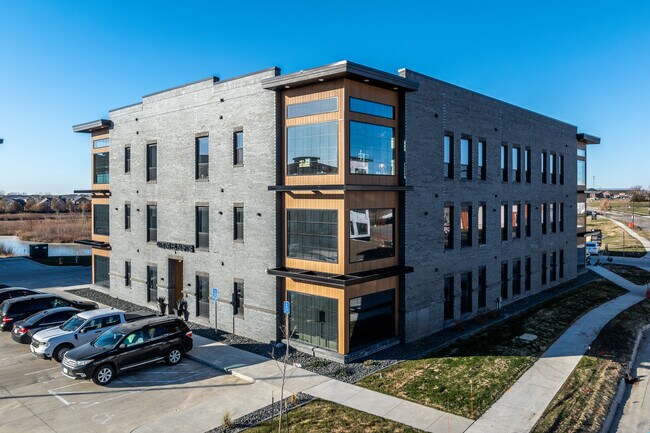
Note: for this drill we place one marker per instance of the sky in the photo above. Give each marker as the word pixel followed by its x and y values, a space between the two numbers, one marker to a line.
pixel 68 62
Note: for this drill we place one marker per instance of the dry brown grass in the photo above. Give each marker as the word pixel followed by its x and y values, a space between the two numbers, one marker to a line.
pixel 46 227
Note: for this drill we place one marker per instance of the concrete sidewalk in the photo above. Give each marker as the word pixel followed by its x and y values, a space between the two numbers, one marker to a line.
pixel 523 404
pixel 255 368
pixel 635 418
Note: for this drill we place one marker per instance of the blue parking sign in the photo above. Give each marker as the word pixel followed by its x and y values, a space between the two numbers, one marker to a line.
pixel 287 307
pixel 215 293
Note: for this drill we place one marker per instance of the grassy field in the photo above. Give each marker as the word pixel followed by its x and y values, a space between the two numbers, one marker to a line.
pixel 630 273
pixel 583 401
pixel 62 227
pixel 619 242
pixel 469 376
pixel 326 417
pixel 640 208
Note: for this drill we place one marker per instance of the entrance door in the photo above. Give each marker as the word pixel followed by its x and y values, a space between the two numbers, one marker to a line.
pixel 175 281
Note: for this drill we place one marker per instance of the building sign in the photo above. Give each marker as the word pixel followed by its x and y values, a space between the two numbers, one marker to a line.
pixel 176 247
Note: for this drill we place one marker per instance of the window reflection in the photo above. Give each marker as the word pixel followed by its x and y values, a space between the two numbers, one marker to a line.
pixel 371 234
pixel 312 149
pixel 312 235
pixel 372 108
pixel 372 149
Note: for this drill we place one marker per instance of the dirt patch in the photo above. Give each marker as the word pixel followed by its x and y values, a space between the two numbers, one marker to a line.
pixel 630 273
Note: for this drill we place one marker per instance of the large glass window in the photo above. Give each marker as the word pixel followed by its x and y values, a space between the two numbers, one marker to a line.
pixel 101 219
pixel 101 271
pixel 449 227
pixel 321 106
pixel 312 235
pixel 372 149
pixel 312 149
pixel 152 283
pixel 372 318
pixel 102 142
pixel 449 297
pixel 371 234
pixel 202 227
pixel 238 148
pixel 465 292
pixel 152 162
pixel 582 214
pixel 582 173
pixel 448 156
pixel 202 167
pixel 466 225
pixel 465 158
pixel 315 319
pixel 152 223
pixel 203 295
pixel 100 168
pixel 372 108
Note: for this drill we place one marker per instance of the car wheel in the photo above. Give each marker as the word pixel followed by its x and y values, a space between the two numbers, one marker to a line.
pixel 174 356
pixel 60 352
pixel 104 374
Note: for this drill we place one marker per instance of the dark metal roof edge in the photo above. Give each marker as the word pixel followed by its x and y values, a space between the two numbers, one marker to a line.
pixel 285 188
pixel 261 71
pixel 341 68
pixel 212 78
pixel 587 138
pixel 123 107
pixel 93 125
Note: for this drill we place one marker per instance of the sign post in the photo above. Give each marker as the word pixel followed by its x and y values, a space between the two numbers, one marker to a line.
pixel 287 312
pixel 215 294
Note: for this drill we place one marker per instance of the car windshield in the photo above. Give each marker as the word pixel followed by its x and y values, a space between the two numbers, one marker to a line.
pixel 108 340
pixel 72 324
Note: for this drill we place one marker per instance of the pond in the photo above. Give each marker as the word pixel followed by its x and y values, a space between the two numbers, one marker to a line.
pixel 21 248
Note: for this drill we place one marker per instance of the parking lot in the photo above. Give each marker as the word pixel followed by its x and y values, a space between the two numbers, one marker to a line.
pixel 189 397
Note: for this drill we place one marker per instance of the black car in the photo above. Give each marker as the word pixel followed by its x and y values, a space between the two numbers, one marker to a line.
pixel 16 292
pixel 128 346
pixel 16 309
pixel 24 329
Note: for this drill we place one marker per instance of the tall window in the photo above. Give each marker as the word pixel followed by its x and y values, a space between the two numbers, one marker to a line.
pixel 449 297
pixel 482 287
pixel 551 168
pixel 582 173
pixel 516 277
pixel 516 163
pixel 466 225
pixel 481 158
pixel 152 283
pixel 127 274
pixel 465 292
pixel 543 166
pixel 504 280
pixel 527 161
pixel 465 158
pixel 561 264
pixel 152 223
pixel 449 227
pixel 527 219
pixel 371 234
pixel 553 266
pixel 202 227
pixel 528 273
pixel 312 149
pixel 552 216
pixel 543 269
pixel 238 233
pixel 101 219
pixel 312 235
pixel 372 149
pixel 481 224
pixel 203 295
pixel 152 162
pixel 560 217
pixel 101 271
pixel 127 159
pixel 448 155
pixel 542 209
pixel 202 168
pixel 238 298
pixel 238 148
pixel 504 162
pixel 560 168
pixel 100 168
pixel 504 221
pixel 516 221
pixel 127 216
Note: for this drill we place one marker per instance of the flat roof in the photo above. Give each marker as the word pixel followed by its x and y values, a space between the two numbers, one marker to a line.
pixel 92 126
pixel 343 69
pixel 588 138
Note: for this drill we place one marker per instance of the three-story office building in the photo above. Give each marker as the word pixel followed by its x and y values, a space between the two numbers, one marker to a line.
pixel 381 206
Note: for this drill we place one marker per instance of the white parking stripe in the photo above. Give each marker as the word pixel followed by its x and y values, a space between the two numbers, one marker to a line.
pixel 17 356
pixel 41 371
pixel 63 400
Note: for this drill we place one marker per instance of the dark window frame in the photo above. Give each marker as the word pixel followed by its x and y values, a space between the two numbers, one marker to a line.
pixel 201 167
pixel 152 162
pixel 466 169
pixel 466 293
pixel 466 234
pixel 448 155
pixel 127 273
pixel 152 217
pixel 101 168
pixel 101 220
pixel 481 158
pixel 238 223
pixel 505 165
pixel 127 216
pixel 448 284
pixel 313 226
pixel 448 235
pixel 310 108
pixel 238 298
pixel 202 238
pixel 393 150
pixel 127 159
pixel 238 148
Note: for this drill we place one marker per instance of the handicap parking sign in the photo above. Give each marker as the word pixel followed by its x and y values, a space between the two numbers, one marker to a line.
pixel 287 307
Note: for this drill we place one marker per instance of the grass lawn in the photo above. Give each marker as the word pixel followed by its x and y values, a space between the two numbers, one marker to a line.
pixel 630 273
pixel 469 376
pixel 616 239
pixel 584 399
pixel 326 417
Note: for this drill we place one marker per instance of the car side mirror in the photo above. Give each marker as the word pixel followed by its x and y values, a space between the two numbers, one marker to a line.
pixel 83 330
pixel 122 346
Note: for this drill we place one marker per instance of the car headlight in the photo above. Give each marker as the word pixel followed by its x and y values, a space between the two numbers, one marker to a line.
pixel 83 363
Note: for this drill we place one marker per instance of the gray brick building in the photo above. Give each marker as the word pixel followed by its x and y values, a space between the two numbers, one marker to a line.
pixel 384 207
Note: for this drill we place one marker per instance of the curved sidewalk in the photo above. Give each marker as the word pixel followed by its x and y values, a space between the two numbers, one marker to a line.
pixel 522 405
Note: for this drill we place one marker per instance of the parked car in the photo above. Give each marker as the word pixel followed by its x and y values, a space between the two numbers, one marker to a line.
pixel 593 248
pixel 25 329
pixel 80 329
pixel 16 292
pixel 16 309
pixel 128 346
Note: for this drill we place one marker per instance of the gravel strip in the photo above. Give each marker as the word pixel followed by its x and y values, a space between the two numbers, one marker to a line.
pixel 355 371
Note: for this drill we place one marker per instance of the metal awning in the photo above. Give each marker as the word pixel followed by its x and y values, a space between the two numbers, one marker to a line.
pixel 94 244
pixel 341 280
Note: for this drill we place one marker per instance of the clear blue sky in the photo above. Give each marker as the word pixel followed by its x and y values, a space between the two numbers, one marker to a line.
pixel 68 62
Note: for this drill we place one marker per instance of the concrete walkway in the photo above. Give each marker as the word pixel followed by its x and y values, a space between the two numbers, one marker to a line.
pixel 636 412
pixel 523 404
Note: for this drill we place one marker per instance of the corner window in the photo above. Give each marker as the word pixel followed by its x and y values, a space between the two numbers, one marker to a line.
pixel 312 149
pixel 315 319
pixel 310 108
pixel 238 233
pixel 372 149
pixel 100 168
pixel 152 162
pixel 238 148
pixel 312 235
pixel 372 108
pixel 582 173
pixel 371 234
pixel 202 167
pixel 101 219
pixel 202 227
